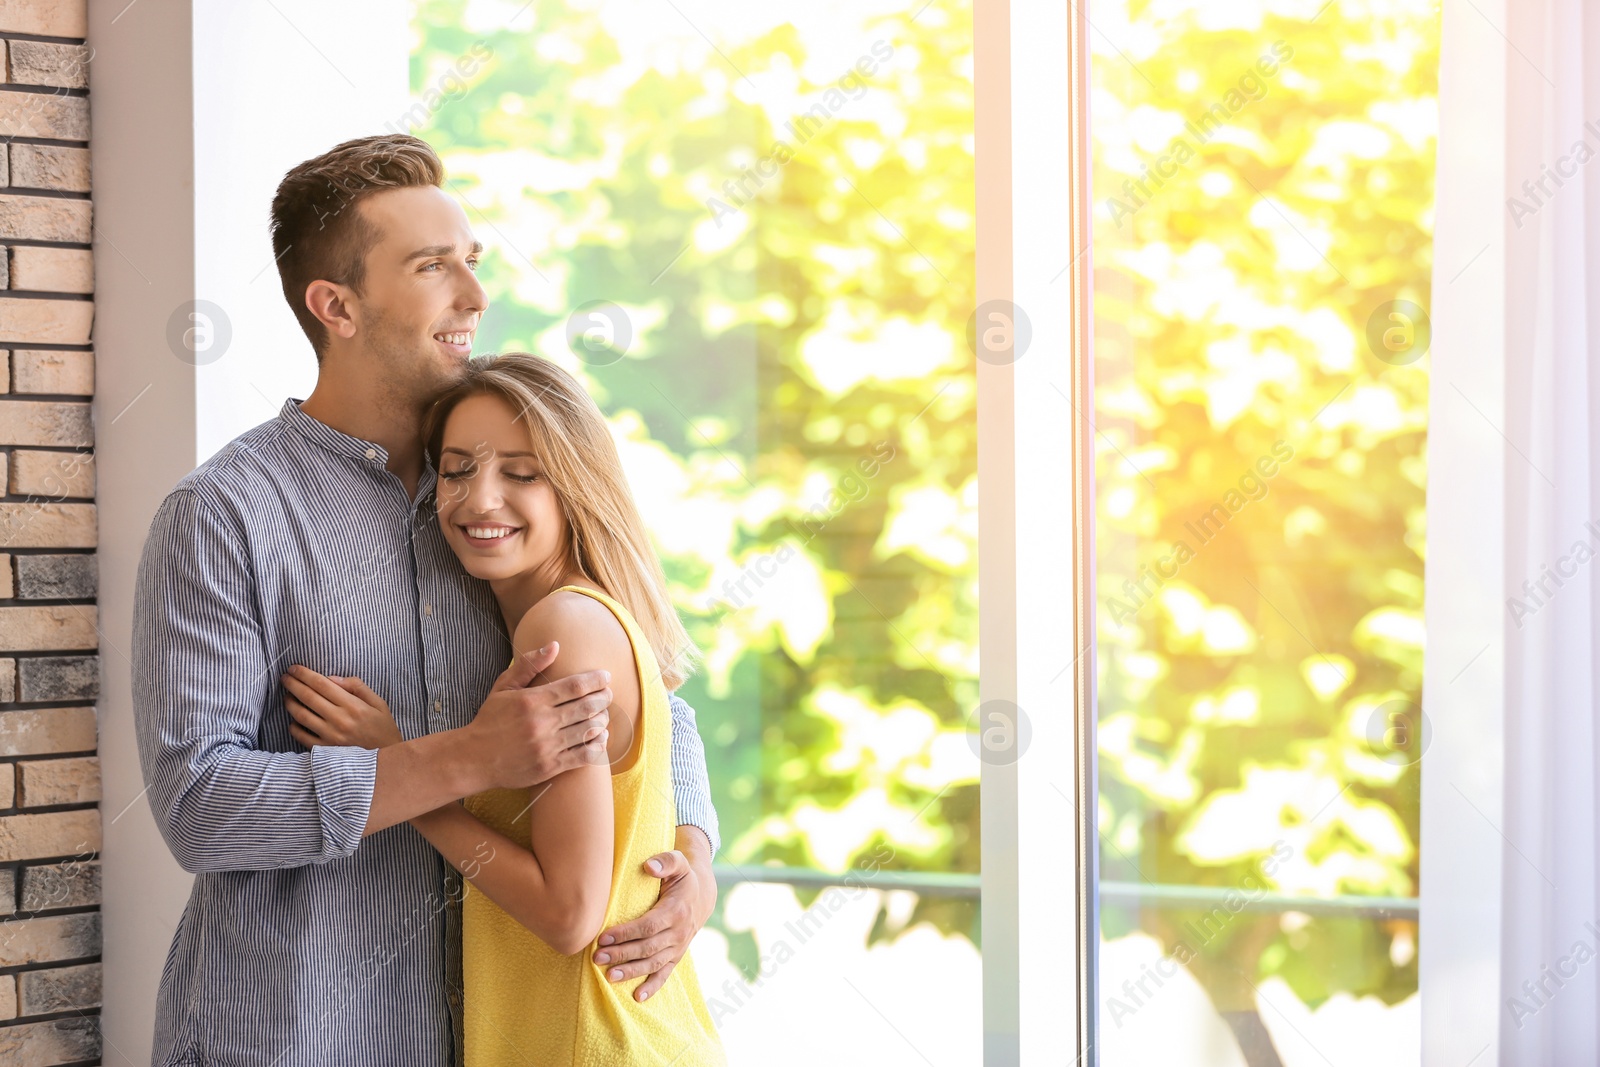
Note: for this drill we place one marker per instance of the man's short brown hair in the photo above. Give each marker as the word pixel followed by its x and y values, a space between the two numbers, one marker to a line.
pixel 316 231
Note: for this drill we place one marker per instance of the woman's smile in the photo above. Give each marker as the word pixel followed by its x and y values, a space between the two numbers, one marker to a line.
pixel 487 535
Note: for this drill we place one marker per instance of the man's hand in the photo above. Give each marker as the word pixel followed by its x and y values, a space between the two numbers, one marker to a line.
pixel 654 942
pixel 530 735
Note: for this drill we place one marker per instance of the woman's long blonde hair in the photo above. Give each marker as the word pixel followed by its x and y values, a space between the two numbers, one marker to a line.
pixel 606 536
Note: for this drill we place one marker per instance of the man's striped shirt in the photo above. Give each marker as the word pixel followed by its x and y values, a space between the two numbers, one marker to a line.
pixel 302 943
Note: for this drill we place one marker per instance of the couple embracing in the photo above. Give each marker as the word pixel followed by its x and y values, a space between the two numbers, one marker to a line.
pixel 403 665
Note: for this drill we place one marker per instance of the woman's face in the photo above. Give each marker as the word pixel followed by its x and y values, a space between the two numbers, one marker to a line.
pixel 496 507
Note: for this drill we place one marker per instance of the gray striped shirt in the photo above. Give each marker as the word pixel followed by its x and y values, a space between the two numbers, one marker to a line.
pixel 302 943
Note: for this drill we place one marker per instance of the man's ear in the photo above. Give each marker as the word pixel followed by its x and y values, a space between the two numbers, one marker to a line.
pixel 331 303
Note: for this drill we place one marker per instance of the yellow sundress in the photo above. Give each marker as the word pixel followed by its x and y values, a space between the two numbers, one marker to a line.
pixel 528 1005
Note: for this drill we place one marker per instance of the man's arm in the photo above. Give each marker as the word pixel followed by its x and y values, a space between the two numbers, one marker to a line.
pixel 691 784
pixel 201 681
pixel 521 737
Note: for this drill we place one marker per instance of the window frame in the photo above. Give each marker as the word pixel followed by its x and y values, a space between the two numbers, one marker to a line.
pixel 1036 478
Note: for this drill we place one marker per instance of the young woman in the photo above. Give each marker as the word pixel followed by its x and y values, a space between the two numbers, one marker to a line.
pixel 532 498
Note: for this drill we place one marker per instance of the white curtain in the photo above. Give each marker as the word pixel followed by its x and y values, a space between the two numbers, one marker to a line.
pixel 1511 786
pixel 1552 769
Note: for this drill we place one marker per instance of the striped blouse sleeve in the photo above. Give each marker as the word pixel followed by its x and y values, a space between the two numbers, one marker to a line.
pixel 691 785
pixel 202 680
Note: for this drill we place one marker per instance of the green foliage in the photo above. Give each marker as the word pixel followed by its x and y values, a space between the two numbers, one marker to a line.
pixel 1239 673
pixel 798 398
pixel 785 349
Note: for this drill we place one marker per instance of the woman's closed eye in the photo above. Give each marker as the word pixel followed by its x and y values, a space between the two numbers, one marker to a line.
pixel 467 473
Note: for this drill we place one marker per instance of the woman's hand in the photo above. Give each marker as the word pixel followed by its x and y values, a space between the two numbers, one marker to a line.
pixel 337 711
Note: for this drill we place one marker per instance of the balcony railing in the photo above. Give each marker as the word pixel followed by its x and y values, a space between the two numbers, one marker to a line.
pixel 1131 895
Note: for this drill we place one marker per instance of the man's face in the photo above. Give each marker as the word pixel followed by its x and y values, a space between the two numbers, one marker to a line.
pixel 420 303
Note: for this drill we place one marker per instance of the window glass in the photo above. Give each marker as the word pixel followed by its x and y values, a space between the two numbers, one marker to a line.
pixel 1263 184
pixel 749 227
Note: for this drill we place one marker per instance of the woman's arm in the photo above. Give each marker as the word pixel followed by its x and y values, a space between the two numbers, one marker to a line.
pixel 512 876
pixel 558 883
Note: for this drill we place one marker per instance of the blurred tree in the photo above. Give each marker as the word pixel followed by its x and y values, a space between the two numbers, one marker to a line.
pixel 788 226
pixel 1264 191
pixel 792 248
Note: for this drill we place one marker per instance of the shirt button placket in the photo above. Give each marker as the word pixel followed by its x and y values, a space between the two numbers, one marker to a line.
pixel 431 647
pixel 429 634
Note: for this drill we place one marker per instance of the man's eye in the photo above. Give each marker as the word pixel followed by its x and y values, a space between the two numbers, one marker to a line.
pixel 473 264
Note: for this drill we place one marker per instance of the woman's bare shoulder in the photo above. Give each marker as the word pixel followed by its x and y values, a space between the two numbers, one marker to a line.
pixel 586 628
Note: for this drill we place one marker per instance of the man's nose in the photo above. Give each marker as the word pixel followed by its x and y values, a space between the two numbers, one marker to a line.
pixel 474 297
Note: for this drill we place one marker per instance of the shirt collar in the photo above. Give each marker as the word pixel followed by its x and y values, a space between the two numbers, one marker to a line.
pixel 339 443
pixel 335 441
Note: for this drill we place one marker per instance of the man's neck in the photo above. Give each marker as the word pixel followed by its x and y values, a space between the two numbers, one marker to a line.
pixel 366 416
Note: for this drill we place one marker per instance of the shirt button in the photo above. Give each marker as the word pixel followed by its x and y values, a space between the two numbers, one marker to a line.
pixel 427 609
pixel 438 706
pixel 372 453
pixel 455 999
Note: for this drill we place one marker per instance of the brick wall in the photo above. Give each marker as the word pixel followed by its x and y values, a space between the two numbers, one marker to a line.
pixel 49 635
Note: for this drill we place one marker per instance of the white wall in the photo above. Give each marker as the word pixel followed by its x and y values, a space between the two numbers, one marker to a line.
pixel 267 106
pixel 197 111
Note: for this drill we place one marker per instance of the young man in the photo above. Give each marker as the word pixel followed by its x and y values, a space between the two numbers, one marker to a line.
pixel 322 928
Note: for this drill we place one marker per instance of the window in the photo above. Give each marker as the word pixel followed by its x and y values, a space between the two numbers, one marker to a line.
pixel 750 229
pixel 1263 187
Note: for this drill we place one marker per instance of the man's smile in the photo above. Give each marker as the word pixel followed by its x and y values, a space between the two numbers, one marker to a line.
pixel 457 342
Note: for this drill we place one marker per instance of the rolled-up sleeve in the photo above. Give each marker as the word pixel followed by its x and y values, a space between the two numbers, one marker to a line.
pixel 691 785
pixel 202 679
